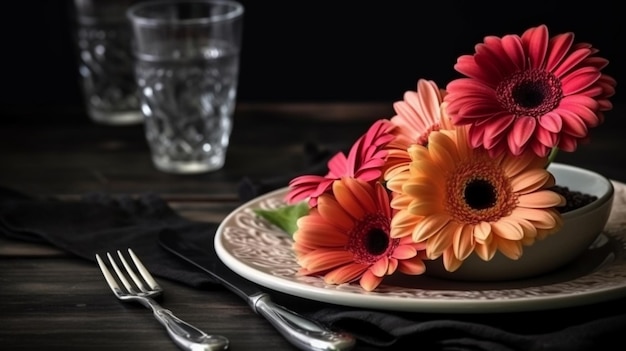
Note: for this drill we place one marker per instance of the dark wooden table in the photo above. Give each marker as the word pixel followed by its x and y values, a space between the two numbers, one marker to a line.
pixel 50 300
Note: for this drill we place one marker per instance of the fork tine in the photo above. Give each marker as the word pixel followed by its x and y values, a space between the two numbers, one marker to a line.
pixel 144 272
pixel 108 276
pixel 184 334
pixel 120 275
pixel 131 272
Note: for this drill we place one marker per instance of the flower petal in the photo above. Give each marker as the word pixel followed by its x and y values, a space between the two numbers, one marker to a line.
pixel 463 243
pixel 403 252
pixel 531 181
pixel 430 226
pixel 507 229
pixel 510 249
pixel 370 281
pixel 412 266
pixel 322 260
pixel 523 129
pixel 345 274
pixel 541 199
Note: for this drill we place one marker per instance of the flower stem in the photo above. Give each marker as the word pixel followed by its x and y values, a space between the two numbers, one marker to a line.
pixel 552 155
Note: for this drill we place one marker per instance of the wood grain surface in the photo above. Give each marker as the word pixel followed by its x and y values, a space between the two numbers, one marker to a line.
pixel 50 300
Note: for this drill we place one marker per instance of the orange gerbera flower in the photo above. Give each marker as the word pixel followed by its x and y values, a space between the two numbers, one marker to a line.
pixel 459 200
pixel 530 92
pixel 364 161
pixel 346 237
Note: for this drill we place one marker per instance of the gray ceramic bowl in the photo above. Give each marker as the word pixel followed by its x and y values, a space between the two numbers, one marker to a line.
pixel 581 227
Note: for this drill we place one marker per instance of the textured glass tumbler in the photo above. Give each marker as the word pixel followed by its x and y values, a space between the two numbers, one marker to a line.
pixel 187 65
pixel 105 61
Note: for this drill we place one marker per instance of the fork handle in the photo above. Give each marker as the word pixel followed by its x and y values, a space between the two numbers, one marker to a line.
pixel 188 337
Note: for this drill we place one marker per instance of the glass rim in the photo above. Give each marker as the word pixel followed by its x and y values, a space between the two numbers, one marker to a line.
pixel 235 12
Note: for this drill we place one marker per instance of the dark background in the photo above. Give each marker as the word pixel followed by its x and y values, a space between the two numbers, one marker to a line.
pixel 316 50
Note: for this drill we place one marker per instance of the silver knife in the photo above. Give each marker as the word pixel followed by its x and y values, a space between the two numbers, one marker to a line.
pixel 302 332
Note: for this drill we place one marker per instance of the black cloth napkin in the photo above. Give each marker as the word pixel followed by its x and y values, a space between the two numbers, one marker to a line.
pixel 384 330
pixel 98 223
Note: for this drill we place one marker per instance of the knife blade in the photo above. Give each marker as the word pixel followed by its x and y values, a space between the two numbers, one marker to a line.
pixel 304 333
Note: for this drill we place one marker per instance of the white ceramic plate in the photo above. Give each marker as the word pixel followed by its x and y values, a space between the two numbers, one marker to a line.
pixel 260 252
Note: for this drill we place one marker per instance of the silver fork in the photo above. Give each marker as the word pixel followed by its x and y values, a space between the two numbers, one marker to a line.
pixel 185 335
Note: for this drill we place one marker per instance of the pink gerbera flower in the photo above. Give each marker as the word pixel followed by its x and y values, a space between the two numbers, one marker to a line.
pixel 530 92
pixel 346 237
pixel 364 161
pixel 417 115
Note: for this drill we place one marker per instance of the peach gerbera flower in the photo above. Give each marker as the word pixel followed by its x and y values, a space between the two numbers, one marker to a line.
pixel 346 237
pixel 418 114
pixel 530 92
pixel 364 161
pixel 466 201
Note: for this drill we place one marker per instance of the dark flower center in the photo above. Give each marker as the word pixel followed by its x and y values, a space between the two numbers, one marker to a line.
pixel 479 191
pixel 369 239
pixel 480 194
pixel 376 241
pixel 530 93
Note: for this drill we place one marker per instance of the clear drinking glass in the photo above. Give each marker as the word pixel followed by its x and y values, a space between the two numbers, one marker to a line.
pixel 187 67
pixel 105 61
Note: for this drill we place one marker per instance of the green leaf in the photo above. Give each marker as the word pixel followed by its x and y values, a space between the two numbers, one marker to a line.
pixel 285 217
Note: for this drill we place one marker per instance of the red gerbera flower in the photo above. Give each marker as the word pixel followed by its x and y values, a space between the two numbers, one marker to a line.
pixel 530 92
pixel 364 162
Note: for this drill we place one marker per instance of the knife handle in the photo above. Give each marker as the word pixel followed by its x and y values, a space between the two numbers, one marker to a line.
pixel 304 333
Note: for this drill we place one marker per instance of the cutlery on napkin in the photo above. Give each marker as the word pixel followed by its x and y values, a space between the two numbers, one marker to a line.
pixel 101 222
